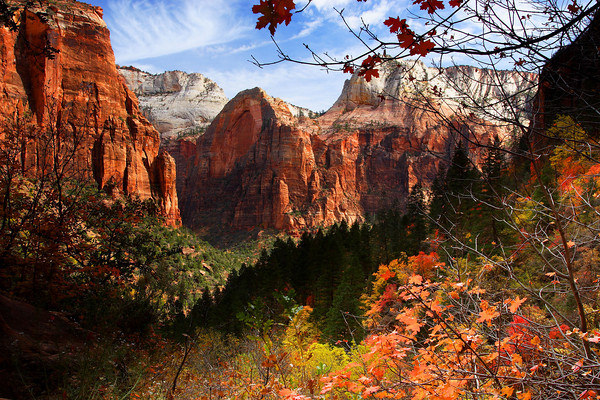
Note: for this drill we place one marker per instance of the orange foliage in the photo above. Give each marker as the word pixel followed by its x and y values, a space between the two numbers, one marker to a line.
pixel 439 346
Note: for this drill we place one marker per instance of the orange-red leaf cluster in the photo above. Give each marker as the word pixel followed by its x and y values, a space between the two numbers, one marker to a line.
pixel 368 70
pixel 274 13
pixel 430 5
pixel 406 37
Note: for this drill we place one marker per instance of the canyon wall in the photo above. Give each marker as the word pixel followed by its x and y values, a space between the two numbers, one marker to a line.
pixel 569 85
pixel 179 104
pixel 59 69
pixel 259 166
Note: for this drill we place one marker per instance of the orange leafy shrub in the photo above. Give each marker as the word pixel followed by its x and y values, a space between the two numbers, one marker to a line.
pixel 450 339
pixel 382 302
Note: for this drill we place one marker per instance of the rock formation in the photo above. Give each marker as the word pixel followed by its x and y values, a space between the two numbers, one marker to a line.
pixel 411 82
pixel 252 168
pixel 258 165
pixel 569 85
pixel 59 67
pixel 176 102
pixel 431 110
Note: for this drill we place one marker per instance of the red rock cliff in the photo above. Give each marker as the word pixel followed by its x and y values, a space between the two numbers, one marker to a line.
pixel 258 166
pixel 253 168
pixel 78 91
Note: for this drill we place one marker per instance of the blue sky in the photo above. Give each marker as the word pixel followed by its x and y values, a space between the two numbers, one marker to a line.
pixel 217 38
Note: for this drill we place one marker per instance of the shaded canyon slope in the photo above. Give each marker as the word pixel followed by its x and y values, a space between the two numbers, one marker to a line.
pixel 259 166
pixel 59 68
pixel 569 86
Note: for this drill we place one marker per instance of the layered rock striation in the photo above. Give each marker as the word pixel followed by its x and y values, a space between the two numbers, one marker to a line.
pixel 258 166
pixel 58 70
pixel 175 102
pixel 491 94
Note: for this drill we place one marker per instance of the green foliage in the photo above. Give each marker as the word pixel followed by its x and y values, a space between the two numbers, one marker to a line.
pixel 327 271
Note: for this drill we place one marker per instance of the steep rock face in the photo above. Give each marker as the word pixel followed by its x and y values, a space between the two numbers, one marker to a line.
pixel 77 92
pixel 428 111
pixel 260 166
pixel 299 112
pixel 176 102
pixel 569 85
pixel 411 82
pixel 252 168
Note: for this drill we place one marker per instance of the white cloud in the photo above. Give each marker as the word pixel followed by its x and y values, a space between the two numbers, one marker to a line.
pixel 326 5
pixel 371 12
pixel 150 68
pixel 376 15
pixel 143 28
pixel 308 28
pixel 227 49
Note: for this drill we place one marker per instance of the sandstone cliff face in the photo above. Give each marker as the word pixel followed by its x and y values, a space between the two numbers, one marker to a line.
pixel 431 110
pixel 411 82
pixel 252 168
pixel 78 92
pixel 176 102
pixel 260 166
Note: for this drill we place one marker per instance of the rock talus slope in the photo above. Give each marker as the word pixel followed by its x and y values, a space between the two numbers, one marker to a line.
pixel 60 68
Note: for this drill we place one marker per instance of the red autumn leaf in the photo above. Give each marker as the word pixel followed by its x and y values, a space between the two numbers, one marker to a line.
pixel 406 39
pixel 412 323
pixel 430 5
pixel 368 70
pixel 371 61
pixel 422 48
pixel 348 69
pixel 387 275
pixel 370 390
pixel 274 12
pixel 516 303
pixel 370 74
pixel 284 8
pixel 396 24
pixel 487 313
pixel 573 8
pixel 455 3
pixel 415 280
pixel 268 14
pixel 588 394
pixel 556 333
